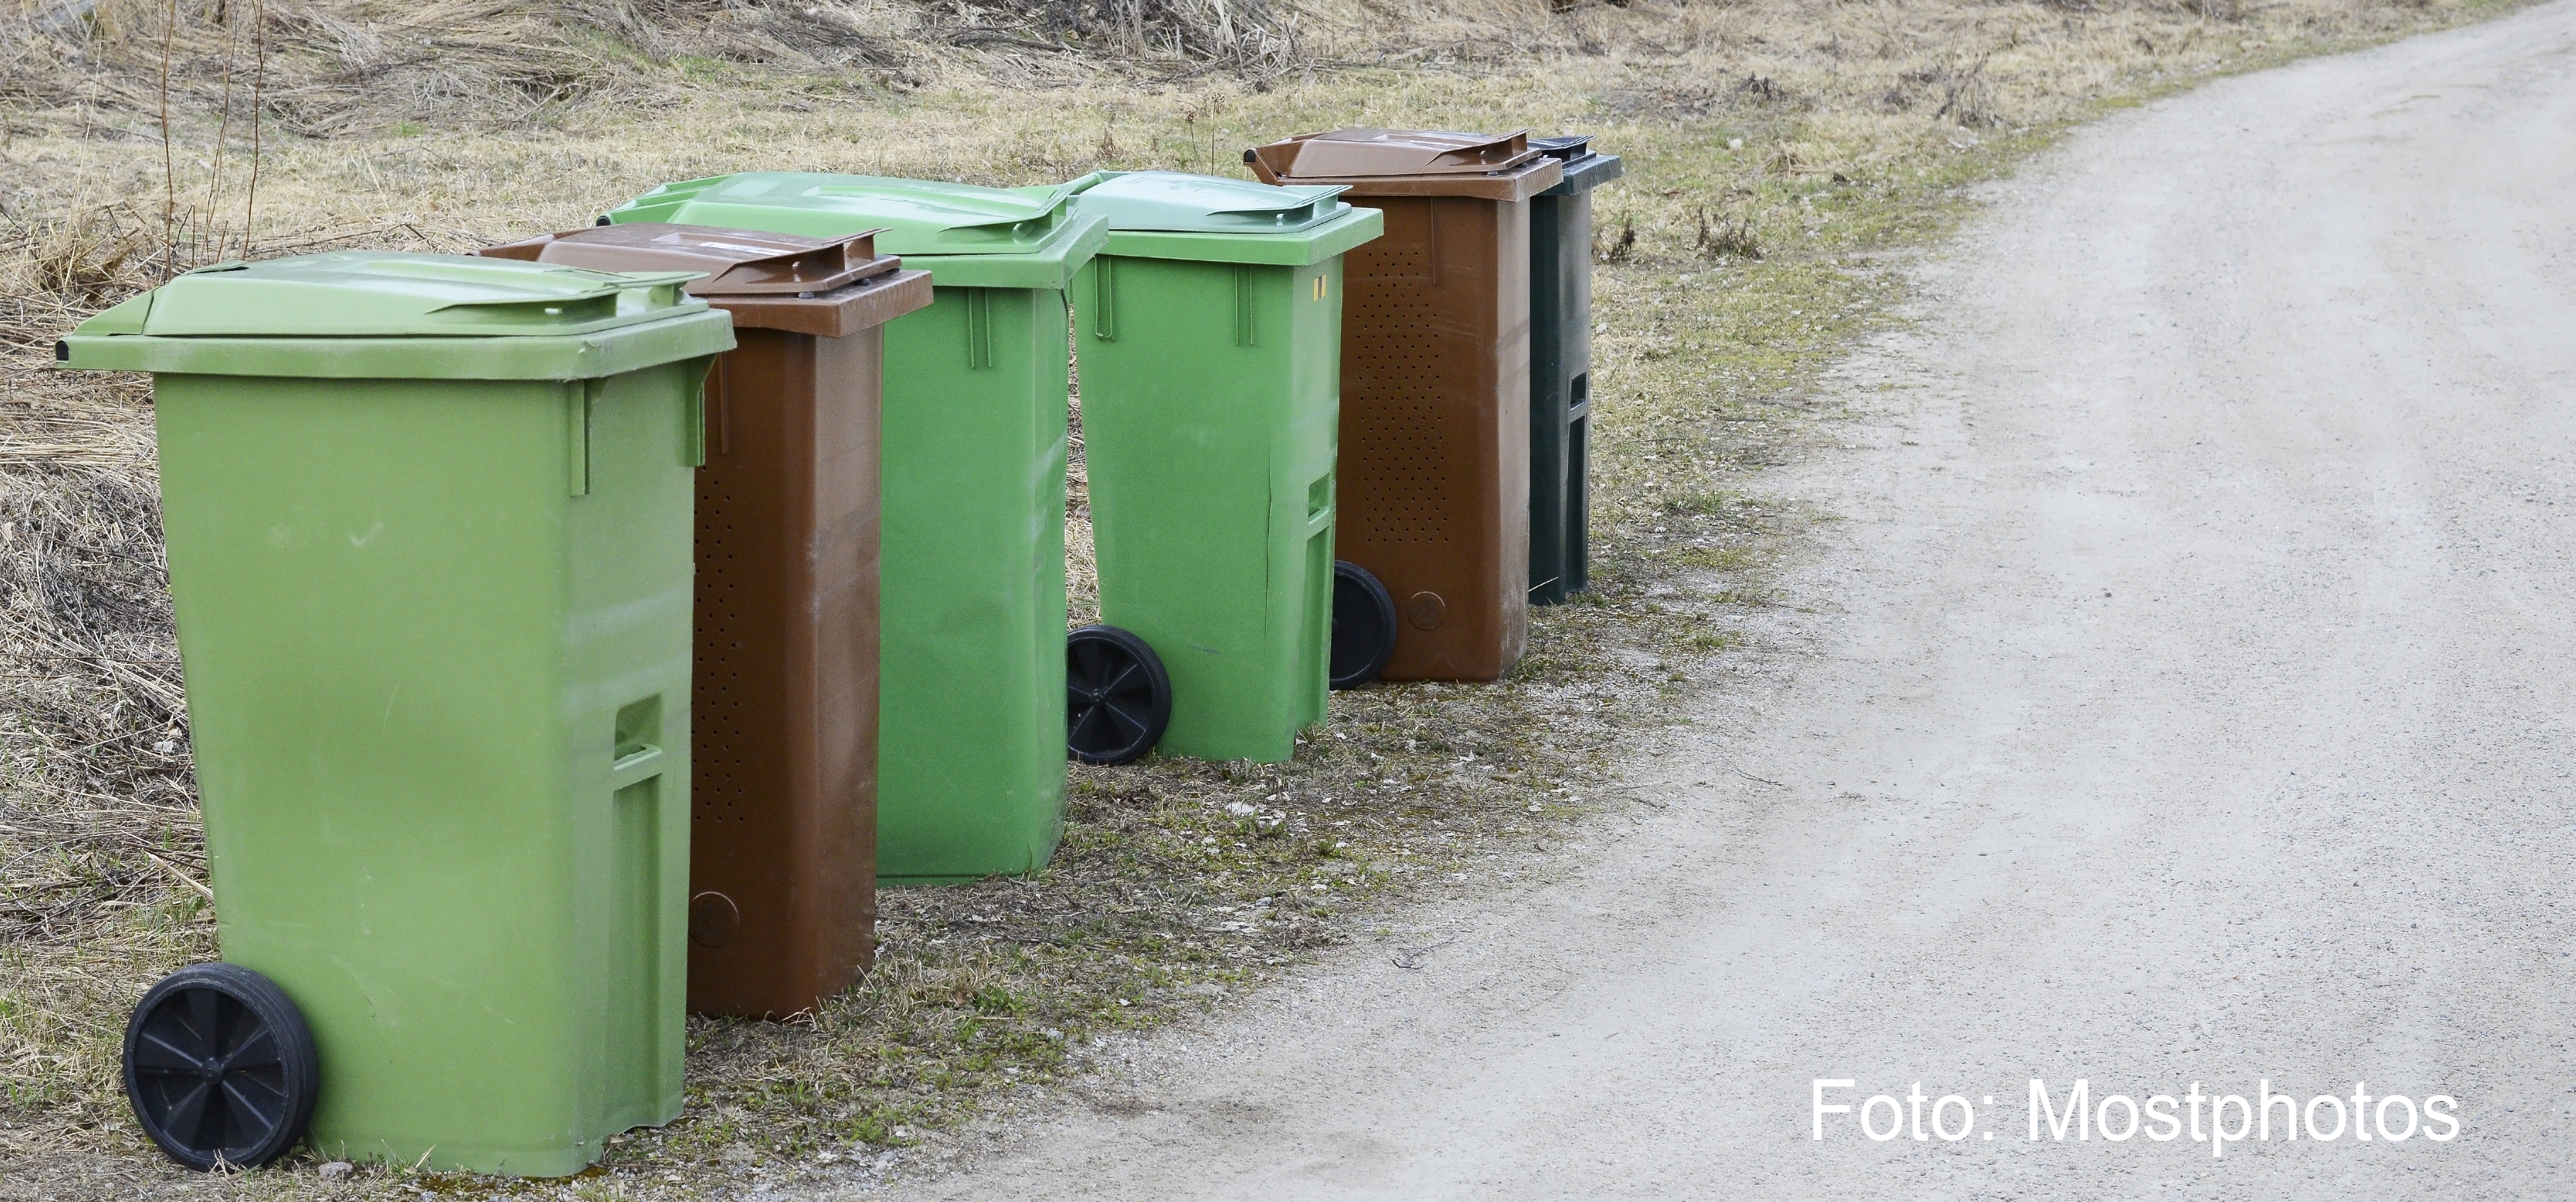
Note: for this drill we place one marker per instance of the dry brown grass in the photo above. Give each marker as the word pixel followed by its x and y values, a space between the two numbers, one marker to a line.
pixel 357 66
pixel 1832 139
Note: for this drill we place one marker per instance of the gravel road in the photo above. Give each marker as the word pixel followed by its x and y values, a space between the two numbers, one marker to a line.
pixel 2188 701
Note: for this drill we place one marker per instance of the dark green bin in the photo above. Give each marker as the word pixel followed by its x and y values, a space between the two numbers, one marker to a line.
pixel 1561 370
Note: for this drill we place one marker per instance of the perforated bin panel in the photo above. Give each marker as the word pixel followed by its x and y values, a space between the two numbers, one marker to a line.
pixel 1435 429
pixel 782 833
pixel 723 790
pixel 1394 355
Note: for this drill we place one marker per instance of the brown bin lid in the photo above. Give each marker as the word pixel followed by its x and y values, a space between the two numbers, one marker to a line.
pixel 1410 162
pixel 828 287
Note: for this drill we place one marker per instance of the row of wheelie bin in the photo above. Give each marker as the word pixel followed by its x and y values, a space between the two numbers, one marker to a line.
pixel 576 634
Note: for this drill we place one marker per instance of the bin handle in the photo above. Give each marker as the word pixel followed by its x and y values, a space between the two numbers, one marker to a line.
pixel 579 395
pixel 643 763
pixel 1244 325
pixel 693 417
pixel 979 328
pixel 1104 280
pixel 846 260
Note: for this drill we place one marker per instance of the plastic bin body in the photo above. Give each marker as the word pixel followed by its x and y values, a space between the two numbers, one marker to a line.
pixel 1434 475
pixel 782 851
pixel 1560 488
pixel 971 722
pixel 1209 331
pixel 436 638
pixel 972 731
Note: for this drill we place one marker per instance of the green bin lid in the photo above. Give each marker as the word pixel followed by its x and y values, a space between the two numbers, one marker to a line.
pixel 964 235
pixel 1177 215
pixel 1178 201
pixel 354 313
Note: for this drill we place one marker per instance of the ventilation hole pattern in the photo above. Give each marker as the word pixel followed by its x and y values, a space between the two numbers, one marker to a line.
pixel 1399 486
pixel 720 786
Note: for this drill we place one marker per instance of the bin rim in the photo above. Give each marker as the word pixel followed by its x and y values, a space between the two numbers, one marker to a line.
pixel 727 262
pixel 1050 270
pixel 915 217
pixel 1209 204
pixel 1371 152
pixel 827 287
pixel 1531 177
pixel 394 294
pixel 697 333
pixel 1356 226
pixel 1048 263
pixel 1587 171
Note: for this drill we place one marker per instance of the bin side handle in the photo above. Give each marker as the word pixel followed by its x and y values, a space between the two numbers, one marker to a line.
pixel 979 328
pixel 693 418
pixel 1319 505
pixel 1104 279
pixel 720 419
pixel 578 398
pixel 1244 282
pixel 643 763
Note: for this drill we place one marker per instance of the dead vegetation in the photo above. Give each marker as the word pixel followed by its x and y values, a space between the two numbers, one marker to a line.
pixel 1727 237
pixel 1781 155
pixel 325 70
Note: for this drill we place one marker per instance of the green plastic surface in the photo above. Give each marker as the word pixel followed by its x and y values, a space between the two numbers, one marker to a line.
pixel 1176 215
pixel 433 604
pixel 351 293
pixel 971 725
pixel 385 315
pixel 1181 201
pixel 970 673
pixel 964 235
pixel 576 357
pixel 1211 412
pixel 437 644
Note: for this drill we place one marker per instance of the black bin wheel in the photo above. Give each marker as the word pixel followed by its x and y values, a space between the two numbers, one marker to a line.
pixel 1118 699
pixel 1363 626
pixel 220 1067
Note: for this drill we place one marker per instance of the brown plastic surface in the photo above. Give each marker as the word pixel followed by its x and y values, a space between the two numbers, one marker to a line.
pixel 736 262
pixel 1355 151
pixel 1434 475
pixel 782 824
pixel 1384 162
pixel 1434 472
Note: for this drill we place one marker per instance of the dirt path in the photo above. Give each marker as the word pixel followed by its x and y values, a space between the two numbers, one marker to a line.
pixel 2191 705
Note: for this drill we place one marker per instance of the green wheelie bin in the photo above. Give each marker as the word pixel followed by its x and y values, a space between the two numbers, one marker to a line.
pixel 429 524
pixel 971 676
pixel 1209 335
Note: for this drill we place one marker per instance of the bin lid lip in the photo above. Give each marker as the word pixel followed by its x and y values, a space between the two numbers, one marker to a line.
pixel 733 262
pixel 696 331
pixel 1181 202
pixel 1564 146
pixel 913 217
pixel 1363 152
pixel 1585 168
pixel 394 294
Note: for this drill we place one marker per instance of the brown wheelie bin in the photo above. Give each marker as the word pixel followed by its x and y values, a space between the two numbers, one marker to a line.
pixel 782 825
pixel 1434 473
